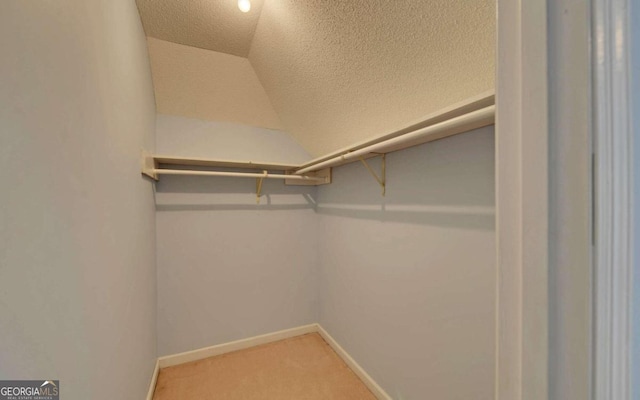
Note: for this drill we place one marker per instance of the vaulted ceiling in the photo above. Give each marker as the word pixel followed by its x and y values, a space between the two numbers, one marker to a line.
pixel 337 72
pixel 215 25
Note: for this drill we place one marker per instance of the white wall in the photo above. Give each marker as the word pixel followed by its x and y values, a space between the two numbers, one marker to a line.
pixel 77 259
pixel 190 137
pixel 407 281
pixel 229 268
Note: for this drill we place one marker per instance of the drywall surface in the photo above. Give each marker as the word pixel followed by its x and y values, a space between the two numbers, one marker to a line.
pixel 204 84
pixel 190 137
pixel 77 254
pixel 214 25
pixel 229 268
pixel 341 72
pixel 408 281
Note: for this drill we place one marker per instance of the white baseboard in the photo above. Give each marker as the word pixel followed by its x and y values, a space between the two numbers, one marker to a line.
pixel 355 367
pixel 223 348
pixel 154 379
pixel 206 352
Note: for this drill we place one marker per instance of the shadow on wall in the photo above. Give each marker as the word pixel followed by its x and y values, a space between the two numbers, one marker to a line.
pixel 197 193
pixel 447 183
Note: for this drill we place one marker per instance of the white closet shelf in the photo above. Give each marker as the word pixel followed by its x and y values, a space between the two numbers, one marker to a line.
pixel 202 162
pixel 475 112
pixel 156 165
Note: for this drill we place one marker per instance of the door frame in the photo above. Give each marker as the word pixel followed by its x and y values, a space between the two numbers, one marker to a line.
pixel 521 200
pixel 613 199
pixel 563 253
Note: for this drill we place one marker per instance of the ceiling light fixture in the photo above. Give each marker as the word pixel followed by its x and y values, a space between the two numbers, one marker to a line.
pixel 244 5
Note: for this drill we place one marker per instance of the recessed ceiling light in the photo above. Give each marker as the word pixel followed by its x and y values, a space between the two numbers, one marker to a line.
pixel 244 5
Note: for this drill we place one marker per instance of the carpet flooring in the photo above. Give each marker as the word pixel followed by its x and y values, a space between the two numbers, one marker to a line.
pixel 299 368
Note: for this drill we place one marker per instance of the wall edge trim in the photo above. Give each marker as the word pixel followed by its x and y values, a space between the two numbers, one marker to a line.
pixel 154 380
pixel 371 384
pixel 223 348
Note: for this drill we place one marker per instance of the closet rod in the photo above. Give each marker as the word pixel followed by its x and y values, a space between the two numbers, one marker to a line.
pixel 265 175
pixel 459 124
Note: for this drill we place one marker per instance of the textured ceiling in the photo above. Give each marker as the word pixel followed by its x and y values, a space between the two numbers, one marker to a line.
pixel 342 71
pixel 336 72
pixel 208 24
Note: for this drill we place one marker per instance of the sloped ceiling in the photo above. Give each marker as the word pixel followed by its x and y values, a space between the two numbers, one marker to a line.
pixel 216 25
pixel 342 71
pixel 208 85
pixel 337 72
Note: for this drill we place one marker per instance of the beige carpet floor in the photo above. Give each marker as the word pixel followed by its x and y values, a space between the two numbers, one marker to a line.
pixel 300 368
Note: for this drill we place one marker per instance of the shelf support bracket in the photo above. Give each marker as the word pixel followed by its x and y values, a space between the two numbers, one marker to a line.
pixel 149 165
pixel 382 180
pixel 259 187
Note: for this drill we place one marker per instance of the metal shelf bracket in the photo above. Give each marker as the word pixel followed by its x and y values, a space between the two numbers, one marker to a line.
pixel 259 186
pixel 382 180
